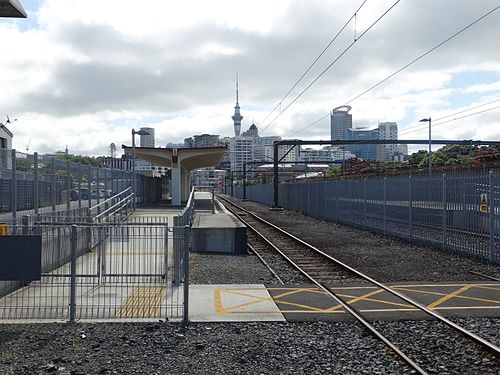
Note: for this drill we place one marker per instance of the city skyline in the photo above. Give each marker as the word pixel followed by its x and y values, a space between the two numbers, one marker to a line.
pixel 83 73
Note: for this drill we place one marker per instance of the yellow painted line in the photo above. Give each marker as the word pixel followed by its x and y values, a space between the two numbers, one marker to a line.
pixel 378 301
pixel 220 309
pixel 360 298
pixel 142 303
pixel 440 285
pixel 444 294
pixel 316 309
pixel 479 286
pixel 449 296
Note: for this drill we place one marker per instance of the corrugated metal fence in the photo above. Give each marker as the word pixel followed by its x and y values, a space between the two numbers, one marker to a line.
pixel 458 213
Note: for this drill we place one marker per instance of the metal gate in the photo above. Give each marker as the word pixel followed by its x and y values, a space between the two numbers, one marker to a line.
pixel 104 271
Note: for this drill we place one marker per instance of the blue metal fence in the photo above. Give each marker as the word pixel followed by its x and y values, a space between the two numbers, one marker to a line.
pixel 458 213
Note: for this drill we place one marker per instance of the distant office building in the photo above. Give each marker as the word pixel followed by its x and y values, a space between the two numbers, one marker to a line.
pixel 208 177
pixel 251 132
pixel 365 151
pixel 206 140
pixel 148 140
pixel 401 153
pixel 325 154
pixel 340 122
pixel 188 142
pixel 5 147
pixel 388 131
pixel 123 163
pixel 286 153
pixel 260 144
pixel 240 151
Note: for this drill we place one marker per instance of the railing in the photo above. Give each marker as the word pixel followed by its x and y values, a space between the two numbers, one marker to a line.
pixel 118 205
pixel 457 213
pixel 128 276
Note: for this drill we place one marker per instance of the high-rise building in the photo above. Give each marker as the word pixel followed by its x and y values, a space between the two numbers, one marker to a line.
pixel 340 122
pixel 148 140
pixel 240 151
pixel 237 117
pixel 251 132
pixel 206 140
pixel 286 153
pixel 365 151
pixel 389 131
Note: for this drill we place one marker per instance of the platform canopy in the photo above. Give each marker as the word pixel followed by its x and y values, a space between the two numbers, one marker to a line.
pixel 12 8
pixel 190 158
pixel 182 161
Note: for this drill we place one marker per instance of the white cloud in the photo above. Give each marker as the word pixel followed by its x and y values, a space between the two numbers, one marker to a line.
pixel 89 71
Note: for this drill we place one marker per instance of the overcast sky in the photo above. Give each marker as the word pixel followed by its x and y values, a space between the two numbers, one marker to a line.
pixel 83 73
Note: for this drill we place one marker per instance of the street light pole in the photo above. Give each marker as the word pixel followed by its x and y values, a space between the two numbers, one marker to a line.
pixel 430 143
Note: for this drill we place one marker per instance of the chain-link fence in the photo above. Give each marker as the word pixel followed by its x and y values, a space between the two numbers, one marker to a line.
pixel 458 213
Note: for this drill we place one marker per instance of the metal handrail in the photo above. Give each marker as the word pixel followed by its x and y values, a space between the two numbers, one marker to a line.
pixel 120 203
pixel 109 199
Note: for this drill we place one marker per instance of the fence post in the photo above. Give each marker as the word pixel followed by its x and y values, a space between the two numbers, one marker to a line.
pixel 385 204
pixel 185 318
pixel 68 185
pixel 177 247
pixel 492 218
pixel 80 185
pixel 364 202
pixel 14 186
pixel 25 222
pixel 54 184
pixel 410 207
pixel 89 185
pixel 72 303
pixel 36 201
pixel 98 189
pixel 445 211
pixel 349 188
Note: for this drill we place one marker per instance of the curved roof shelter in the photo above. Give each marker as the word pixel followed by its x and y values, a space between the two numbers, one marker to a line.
pixel 182 161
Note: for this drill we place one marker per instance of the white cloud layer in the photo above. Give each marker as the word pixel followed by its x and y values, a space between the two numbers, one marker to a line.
pixel 83 73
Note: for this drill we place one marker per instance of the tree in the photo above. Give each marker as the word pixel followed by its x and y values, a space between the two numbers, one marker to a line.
pixel 23 165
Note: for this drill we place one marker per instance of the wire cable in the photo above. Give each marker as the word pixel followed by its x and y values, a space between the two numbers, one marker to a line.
pixel 312 64
pixel 413 61
pixel 333 62
pixel 406 131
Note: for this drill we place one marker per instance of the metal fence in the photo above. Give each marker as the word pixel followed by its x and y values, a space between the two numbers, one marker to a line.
pixel 34 183
pixel 458 213
pixel 102 271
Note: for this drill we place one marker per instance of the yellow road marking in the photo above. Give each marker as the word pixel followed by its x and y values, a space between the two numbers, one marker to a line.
pixel 143 303
pixel 356 299
pixel 449 296
pixel 444 294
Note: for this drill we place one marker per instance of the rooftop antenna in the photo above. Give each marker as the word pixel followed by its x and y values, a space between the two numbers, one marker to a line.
pixel 237 88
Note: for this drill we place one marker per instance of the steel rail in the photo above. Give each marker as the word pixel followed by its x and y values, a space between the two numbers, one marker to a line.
pixel 495 350
pixel 337 299
pixel 263 261
pixel 486 276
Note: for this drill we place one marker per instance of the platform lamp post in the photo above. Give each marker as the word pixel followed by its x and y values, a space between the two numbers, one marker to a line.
pixel 134 185
pixel 430 144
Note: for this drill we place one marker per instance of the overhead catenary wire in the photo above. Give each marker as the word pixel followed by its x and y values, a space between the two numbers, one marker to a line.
pixel 410 63
pixel 312 64
pixel 406 131
pixel 333 62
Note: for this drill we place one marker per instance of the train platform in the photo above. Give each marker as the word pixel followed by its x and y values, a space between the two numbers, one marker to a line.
pixel 258 302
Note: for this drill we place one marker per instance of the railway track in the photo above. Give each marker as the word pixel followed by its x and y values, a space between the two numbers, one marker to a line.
pixel 322 269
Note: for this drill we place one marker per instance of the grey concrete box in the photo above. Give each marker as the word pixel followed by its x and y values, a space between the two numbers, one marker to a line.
pixel 218 233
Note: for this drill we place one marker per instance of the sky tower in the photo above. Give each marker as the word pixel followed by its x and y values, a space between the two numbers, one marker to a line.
pixel 237 117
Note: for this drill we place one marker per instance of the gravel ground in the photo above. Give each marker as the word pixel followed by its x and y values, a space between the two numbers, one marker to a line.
pixel 384 258
pixel 228 269
pixel 163 348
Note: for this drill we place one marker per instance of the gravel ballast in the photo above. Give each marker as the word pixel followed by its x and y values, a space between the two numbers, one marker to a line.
pixel 164 348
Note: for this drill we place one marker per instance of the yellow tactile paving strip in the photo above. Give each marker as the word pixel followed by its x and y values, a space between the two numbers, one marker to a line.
pixel 143 303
